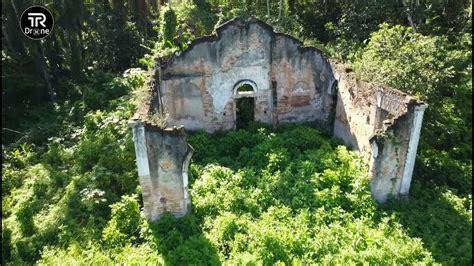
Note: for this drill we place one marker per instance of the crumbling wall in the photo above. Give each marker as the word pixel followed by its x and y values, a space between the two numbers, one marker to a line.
pixel 302 77
pixel 291 83
pixel 163 157
pixel 198 85
pixel 289 80
pixel 384 125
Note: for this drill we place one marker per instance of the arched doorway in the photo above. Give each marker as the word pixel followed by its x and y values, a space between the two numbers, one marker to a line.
pixel 244 98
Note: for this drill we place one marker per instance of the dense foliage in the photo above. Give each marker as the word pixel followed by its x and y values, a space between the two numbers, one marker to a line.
pixel 70 192
pixel 289 196
pixel 61 191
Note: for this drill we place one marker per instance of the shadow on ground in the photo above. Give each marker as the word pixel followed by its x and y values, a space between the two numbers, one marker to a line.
pixel 440 219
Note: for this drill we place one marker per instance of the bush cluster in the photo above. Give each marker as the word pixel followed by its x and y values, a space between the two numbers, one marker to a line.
pixel 260 196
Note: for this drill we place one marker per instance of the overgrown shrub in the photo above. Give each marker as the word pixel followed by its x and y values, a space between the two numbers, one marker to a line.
pixel 260 196
pixel 124 226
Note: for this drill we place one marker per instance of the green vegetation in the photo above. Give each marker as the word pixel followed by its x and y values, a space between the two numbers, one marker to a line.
pixel 290 196
pixel 70 192
pixel 244 110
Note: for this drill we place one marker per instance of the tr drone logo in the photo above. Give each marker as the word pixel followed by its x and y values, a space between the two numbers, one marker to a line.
pixel 37 18
pixel 36 22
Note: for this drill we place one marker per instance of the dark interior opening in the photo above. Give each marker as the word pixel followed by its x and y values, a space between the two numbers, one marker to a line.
pixel 245 107
pixel 274 93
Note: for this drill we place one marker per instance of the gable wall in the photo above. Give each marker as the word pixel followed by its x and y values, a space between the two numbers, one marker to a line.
pixel 197 87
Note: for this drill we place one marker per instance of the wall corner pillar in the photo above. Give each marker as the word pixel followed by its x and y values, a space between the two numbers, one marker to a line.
pixel 139 140
pixel 412 149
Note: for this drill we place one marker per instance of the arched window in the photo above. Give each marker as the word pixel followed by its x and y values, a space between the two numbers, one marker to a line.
pixel 244 88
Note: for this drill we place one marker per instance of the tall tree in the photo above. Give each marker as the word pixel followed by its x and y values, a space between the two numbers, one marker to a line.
pixel 72 18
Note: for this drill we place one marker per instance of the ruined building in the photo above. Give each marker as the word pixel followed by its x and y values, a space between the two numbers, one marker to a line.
pixel 247 71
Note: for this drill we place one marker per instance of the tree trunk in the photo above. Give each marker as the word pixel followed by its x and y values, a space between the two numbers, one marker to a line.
pixel 43 68
pixel 409 10
pixel 14 37
pixel 268 9
pixel 280 9
pixel 142 15
pixel 76 57
pixel 4 41
pixel 53 53
pixel 412 23
pixel 7 46
pixel 470 9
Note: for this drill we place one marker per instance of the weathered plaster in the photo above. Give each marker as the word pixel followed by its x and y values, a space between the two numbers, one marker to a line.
pixel 163 157
pixel 384 125
pixel 245 51
pixel 291 83
pixel 412 148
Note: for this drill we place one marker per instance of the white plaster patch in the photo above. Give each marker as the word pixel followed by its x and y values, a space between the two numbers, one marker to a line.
pixel 374 149
pixel 221 84
pixel 412 148
pixel 140 150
